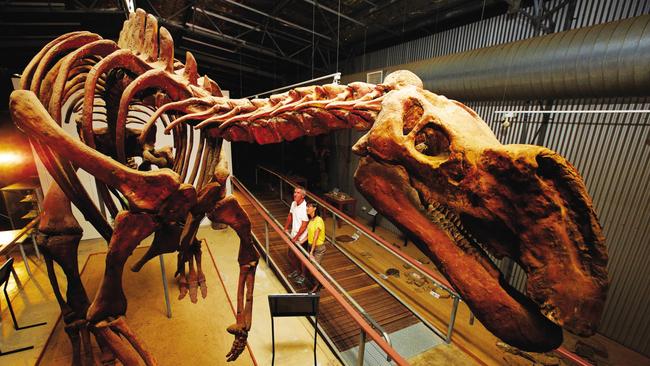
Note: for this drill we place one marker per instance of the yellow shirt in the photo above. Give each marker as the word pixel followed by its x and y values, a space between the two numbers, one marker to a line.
pixel 316 223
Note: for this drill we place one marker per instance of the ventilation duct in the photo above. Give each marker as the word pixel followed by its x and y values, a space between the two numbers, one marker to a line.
pixel 605 60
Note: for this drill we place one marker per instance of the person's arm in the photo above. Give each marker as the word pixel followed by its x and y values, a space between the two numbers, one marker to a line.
pixel 288 222
pixel 302 229
pixel 314 241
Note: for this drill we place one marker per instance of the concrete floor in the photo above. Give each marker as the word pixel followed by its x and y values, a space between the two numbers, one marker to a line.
pixel 294 336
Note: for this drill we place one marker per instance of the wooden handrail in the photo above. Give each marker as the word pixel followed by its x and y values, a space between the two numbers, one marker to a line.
pixel 358 318
pixel 360 226
pixel 25 229
pixel 573 357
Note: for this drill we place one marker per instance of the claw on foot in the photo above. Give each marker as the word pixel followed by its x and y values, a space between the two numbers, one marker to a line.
pixel 112 330
pixel 182 287
pixel 203 285
pixel 194 280
pixel 194 285
pixel 239 344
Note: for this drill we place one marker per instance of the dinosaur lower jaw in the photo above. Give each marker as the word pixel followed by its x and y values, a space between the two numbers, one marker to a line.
pixel 505 312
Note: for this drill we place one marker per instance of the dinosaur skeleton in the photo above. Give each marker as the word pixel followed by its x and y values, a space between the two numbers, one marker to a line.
pixel 429 164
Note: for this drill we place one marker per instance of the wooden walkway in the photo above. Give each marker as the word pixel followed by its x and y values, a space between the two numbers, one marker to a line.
pixel 342 330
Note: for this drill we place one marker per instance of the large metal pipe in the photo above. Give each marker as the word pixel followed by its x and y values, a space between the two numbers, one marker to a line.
pixel 605 60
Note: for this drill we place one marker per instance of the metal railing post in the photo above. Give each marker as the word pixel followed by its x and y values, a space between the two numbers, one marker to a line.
pixel 22 253
pixel 333 228
pixel 33 237
pixel 281 199
pixel 164 281
pixel 362 348
pixel 452 319
pixel 379 328
pixel 266 242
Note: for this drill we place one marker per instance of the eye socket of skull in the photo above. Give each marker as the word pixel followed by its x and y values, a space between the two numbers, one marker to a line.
pixel 432 140
pixel 413 112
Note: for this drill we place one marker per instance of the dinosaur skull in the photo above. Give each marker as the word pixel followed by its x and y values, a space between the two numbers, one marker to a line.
pixel 433 166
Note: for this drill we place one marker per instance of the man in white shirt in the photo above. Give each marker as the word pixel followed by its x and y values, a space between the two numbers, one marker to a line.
pixel 298 219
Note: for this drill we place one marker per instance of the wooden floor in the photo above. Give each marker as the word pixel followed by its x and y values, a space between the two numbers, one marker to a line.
pixel 378 303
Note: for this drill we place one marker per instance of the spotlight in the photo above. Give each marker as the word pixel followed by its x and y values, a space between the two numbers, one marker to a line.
pixel 10 158
pixel 506 119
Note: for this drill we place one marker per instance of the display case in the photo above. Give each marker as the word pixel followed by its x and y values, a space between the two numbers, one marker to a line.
pixel 23 202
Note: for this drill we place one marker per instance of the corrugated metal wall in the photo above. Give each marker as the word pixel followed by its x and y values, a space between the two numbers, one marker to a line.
pixel 612 152
pixel 496 30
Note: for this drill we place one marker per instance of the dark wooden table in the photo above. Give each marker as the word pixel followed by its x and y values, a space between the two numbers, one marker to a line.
pixel 347 203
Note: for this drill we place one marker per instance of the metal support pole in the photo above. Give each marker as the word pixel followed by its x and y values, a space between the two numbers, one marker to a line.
pixel 164 281
pixel 266 242
pixel 281 199
pixel 272 341
pixel 362 348
pixel 22 252
pixel 333 228
pixel 315 337
pixel 452 319
pixel 38 253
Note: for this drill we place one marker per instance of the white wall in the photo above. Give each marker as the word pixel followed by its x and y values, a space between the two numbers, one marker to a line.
pixel 88 181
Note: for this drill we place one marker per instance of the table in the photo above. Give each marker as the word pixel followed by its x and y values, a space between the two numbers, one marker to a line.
pixel 341 202
pixel 8 240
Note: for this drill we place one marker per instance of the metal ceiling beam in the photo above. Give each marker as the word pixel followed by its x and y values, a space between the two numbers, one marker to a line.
pixel 40 24
pixel 206 44
pixel 286 36
pixel 335 12
pixel 34 4
pixel 362 12
pixel 456 10
pixel 208 33
pixel 283 21
pixel 228 50
pixel 229 20
pixel 218 61
pixel 453 9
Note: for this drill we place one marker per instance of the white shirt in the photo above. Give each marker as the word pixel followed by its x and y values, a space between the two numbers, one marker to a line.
pixel 298 216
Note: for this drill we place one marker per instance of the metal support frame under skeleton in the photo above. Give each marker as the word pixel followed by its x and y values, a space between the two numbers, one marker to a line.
pixel 429 164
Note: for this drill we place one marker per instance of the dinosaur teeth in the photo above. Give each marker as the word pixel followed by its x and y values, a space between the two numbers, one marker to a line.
pixel 450 222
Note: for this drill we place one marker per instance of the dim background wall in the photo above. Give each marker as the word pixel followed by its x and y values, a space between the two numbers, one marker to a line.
pixel 612 152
